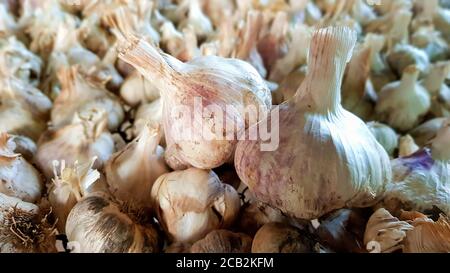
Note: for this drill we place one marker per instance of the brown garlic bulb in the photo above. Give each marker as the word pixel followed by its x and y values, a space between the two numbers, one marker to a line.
pixel 191 203
pixel 223 241
pixel 428 236
pixel 280 238
pixel 255 214
pixel 98 225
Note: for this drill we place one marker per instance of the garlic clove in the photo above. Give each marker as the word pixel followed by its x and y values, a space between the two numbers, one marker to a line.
pixel 191 203
pixel 385 135
pixel 385 233
pixel 314 124
pixel 402 104
pixel 97 225
pixel 19 178
pixel 80 141
pixel 280 238
pixel 24 222
pixel 223 241
pixel 68 186
pixel 407 146
pixel 131 172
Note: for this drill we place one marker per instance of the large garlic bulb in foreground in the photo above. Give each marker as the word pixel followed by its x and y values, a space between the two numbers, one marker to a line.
pixel 68 186
pixel 18 177
pixel 401 104
pixel 191 203
pixel 86 137
pixel 24 227
pixel 98 225
pixel 422 180
pixel 187 89
pixel 315 131
pixel 80 94
pixel 131 172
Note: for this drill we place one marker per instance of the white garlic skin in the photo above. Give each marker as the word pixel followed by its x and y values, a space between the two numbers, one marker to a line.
pixel 80 141
pixel 131 172
pixel 18 178
pixel 149 114
pixel 191 203
pixel 97 225
pixel 315 131
pixel 403 103
pixel 385 135
pixel 136 89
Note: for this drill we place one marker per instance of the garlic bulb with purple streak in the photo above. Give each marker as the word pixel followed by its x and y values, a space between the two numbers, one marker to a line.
pixel 315 131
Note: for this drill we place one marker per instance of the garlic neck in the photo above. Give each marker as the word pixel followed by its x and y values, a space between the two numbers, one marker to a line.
pixel 437 77
pixel 408 81
pixel 331 49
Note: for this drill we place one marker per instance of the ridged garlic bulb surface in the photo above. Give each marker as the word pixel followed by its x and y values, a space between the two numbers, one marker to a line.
pixel 315 131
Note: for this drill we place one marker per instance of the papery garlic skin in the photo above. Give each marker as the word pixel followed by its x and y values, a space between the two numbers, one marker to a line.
pixel 68 186
pixel 81 94
pixel 407 146
pixel 425 132
pixel 131 172
pixel 97 225
pixel 315 131
pixel 428 236
pixel 226 83
pixel 405 55
pixel 24 146
pixel 386 231
pixel 136 89
pixel 85 138
pixel 403 103
pixel 19 178
pixel 434 82
pixel 191 203
pixel 149 114
pixel 223 241
pixel 385 135
pixel 22 221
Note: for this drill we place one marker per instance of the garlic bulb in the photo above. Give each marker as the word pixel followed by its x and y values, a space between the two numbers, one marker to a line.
pixel 255 214
pixel 431 41
pixel 93 36
pixel 355 97
pixel 191 203
pixel 79 94
pixel 385 135
pixel 8 25
pixel 86 137
pixel 23 109
pixel 223 241
pixel 149 114
pixel 131 172
pixel 434 82
pixel 428 236
pixel 280 238
pixel 24 227
pixel 246 48
pixel 422 180
pixel 296 55
pixel 136 89
pixel 314 125
pixel 24 146
pixel 19 178
pixel 441 21
pixel 68 186
pixel 425 132
pixel 208 80
pixel 404 55
pixel 198 20
pixel 384 232
pixel 402 104
pixel 407 146
pixel 173 42
pixel 16 60
pixel 98 225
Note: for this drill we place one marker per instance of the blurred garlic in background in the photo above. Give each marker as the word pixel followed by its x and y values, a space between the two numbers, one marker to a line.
pixel 385 135
pixel 223 241
pixel 407 146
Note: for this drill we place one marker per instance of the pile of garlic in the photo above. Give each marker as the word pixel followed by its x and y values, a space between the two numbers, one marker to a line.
pixel 90 148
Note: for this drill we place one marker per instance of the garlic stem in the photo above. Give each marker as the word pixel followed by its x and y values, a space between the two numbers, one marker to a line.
pixel 328 58
pixel 439 73
pixel 409 80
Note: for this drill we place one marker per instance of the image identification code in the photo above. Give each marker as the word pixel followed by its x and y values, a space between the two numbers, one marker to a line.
pixel 206 264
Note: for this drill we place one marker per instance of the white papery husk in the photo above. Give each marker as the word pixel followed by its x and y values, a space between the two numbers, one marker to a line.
pixel 191 203
pixel 131 172
pixel 197 19
pixel 19 178
pixel 137 89
pixel 86 137
pixel 149 114
pixel 428 236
